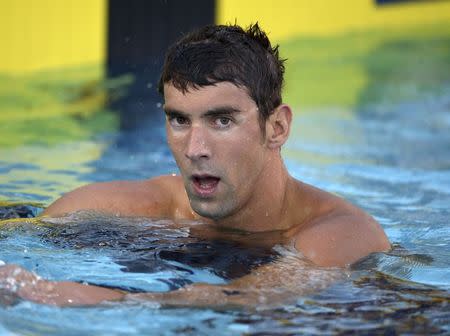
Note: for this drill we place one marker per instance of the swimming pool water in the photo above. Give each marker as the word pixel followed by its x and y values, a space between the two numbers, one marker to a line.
pixel 391 159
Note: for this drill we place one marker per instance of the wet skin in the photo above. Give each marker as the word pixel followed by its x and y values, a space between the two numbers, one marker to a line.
pixel 233 177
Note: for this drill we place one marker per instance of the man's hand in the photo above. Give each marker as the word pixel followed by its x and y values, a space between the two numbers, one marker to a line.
pixel 25 284
pixel 29 286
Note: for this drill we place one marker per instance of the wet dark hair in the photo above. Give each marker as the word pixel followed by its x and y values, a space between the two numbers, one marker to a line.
pixel 227 53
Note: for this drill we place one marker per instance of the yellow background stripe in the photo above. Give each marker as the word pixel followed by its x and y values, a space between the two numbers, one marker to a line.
pixel 40 34
pixel 287 18
pixel 43 34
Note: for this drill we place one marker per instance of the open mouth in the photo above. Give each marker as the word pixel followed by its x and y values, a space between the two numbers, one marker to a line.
pixel 205 185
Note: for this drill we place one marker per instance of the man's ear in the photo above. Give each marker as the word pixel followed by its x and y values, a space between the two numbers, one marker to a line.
pixel 278 126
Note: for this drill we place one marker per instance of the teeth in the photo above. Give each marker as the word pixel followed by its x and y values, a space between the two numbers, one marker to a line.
pixel 207 182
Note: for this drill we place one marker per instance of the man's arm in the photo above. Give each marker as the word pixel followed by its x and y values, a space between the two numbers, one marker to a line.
pixel 152 198
pixel 279 282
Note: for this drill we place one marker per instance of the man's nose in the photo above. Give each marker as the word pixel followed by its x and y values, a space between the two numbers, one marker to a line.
pixel 197 145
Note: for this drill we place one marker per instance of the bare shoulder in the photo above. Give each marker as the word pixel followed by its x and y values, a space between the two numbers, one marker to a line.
pixel 156 197
pixel 340 236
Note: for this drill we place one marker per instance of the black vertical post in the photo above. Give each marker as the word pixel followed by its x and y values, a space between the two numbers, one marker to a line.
pixel 139 32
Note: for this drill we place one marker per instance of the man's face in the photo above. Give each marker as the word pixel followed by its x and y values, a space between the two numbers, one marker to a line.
pixel 215 137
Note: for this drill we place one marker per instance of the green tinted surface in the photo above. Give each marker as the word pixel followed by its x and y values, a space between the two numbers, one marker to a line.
pixel 53 107
pixel 362 68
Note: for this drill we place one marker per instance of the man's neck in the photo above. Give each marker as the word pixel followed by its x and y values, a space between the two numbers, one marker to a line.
pixel 267 209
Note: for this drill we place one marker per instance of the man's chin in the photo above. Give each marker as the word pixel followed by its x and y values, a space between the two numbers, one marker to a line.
pixel 209 211
pixel 213 207
pixel 205 212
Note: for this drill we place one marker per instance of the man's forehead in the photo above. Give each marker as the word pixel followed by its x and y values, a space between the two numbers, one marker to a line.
pixel 192 88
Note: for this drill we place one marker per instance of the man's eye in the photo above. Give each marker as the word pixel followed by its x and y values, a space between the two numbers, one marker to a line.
pixel 178 121
pixel 181 120
pixel 222 122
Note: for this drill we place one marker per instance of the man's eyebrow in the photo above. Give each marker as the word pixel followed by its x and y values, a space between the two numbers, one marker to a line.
pixel 170 112
pixel 221 110
pixel 217 111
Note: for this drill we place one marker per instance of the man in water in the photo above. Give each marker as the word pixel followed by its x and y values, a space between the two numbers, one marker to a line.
pixel 226 124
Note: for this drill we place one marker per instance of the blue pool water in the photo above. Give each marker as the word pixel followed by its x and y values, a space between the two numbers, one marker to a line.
pixel 393 160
